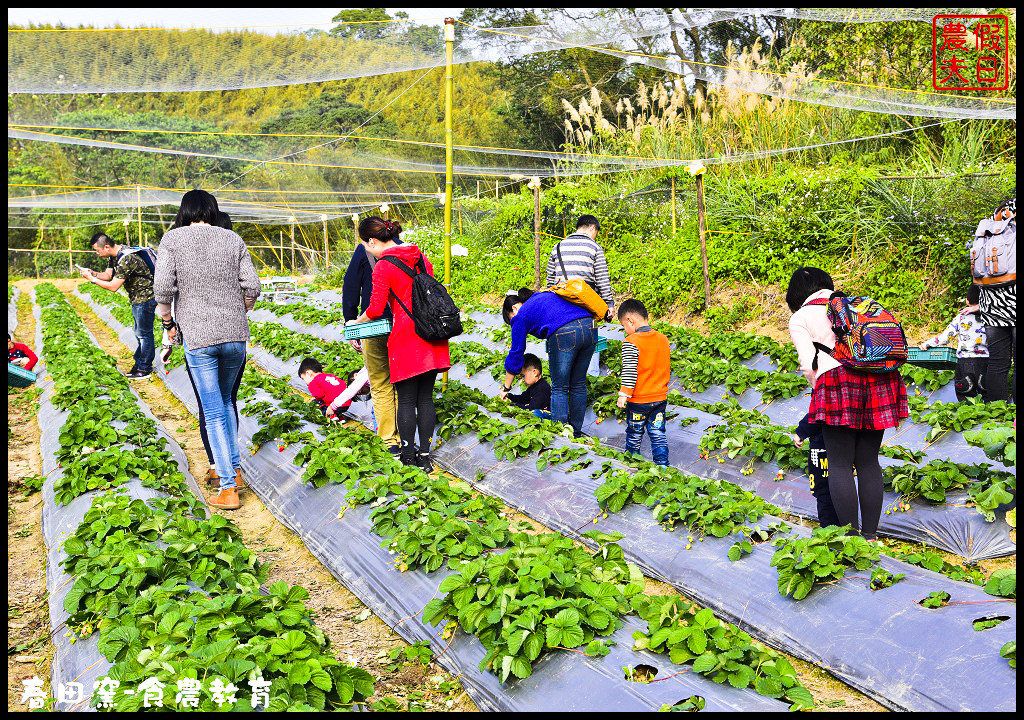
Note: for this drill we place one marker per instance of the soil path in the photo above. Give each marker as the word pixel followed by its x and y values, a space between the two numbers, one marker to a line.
pixel 28 620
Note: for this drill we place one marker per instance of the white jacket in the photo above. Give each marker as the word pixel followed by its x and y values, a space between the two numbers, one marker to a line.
pixel 810 325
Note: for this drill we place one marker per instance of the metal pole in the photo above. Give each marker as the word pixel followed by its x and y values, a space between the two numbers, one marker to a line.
pixel 327 249
pixel 449 46
pixel 673 204
pixel 703 242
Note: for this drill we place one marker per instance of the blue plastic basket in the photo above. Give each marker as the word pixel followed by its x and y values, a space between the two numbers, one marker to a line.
pixel 374 328
pixel 602 344
pixel 18 376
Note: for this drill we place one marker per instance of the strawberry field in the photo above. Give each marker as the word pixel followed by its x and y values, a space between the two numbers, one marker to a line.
pixel 512 606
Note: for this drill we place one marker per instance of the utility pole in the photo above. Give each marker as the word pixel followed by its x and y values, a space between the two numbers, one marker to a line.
pixel 534 185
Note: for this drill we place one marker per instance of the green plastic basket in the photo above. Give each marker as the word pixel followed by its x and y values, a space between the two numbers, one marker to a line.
pixel 374 328
pixel 937 358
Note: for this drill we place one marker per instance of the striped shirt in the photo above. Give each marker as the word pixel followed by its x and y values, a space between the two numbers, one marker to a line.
pixel 583 258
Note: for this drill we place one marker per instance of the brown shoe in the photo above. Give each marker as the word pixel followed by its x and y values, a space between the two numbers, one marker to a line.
pixel 226 499
pixel 211 478
pixel 239 482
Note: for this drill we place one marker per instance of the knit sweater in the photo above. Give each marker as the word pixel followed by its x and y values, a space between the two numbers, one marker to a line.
pixel 206 271
pixel 583 258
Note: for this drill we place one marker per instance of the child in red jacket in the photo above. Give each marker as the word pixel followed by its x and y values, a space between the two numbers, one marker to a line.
pixel 328 390
pixel 20 354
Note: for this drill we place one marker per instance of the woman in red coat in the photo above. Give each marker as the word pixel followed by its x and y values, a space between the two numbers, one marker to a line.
pixel 414 361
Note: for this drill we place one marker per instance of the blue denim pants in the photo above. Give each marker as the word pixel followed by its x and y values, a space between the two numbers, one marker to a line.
pixel 649 417
pixel 570 348
pixel 143 315
pixel 214 371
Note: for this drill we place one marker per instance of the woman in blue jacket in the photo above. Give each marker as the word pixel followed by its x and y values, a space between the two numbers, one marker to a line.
pixel 571 339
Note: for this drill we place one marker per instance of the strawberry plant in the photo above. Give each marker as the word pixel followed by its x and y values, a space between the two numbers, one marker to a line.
pixel 935 599
pixel 716 650
pixel 898 452
pixel 960 416
pixel 1003 583
pixel 558 456
pixel 1009 653
pixel 882 578
pixel 543 592
pixel 824 556
pixel 925 379
pixel 929 560
pixel 528 441
pixel 998 442
pixel 435 522
pixel 765 443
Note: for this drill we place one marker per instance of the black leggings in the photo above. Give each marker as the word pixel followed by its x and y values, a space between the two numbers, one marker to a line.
pixel 416 411
pixel 846 449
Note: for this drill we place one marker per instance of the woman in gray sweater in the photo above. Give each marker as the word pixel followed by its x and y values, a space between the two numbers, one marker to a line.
pixel 206 272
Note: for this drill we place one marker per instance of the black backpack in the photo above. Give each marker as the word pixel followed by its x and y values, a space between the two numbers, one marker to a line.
pixel 434 316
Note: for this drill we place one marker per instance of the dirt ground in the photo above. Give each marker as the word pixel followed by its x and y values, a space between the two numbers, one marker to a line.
pixel 28 622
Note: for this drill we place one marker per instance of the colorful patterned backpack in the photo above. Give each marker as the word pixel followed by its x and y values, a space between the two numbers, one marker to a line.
pixel 868 337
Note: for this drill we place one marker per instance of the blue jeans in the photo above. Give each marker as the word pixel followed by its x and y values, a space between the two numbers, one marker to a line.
pixel 143 316
pixel 650 417
pixel 214 371
pixel 570 348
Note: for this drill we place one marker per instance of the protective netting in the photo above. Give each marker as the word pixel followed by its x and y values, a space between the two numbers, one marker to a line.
pixel 415 173
pixel 126 60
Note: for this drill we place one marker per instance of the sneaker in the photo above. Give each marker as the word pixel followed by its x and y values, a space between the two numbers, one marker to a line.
pixel 138 375
pixel 423 461
pixel 225 499
pixel 395 450
pixel 239 482
pixel 129 373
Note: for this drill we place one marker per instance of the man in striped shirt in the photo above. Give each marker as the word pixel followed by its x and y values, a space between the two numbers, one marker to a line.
pixel 582 257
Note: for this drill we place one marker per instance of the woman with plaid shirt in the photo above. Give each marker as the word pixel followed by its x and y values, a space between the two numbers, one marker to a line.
pixel 854 408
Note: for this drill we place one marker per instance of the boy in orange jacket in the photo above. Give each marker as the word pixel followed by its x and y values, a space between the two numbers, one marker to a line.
pixel 645 371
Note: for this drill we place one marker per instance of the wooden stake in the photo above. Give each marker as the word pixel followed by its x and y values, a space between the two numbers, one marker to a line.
pixel 703 241
pixel 71 264
pixel 536 238
pixel 327 250
pixel 280 241
pixel 673 205
pixel 293 247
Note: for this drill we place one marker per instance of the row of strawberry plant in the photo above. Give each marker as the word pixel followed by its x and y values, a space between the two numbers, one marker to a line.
pixel 429 521
pixel 173 593
pixel 959 416
pixel 121 309
pixel 986 487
